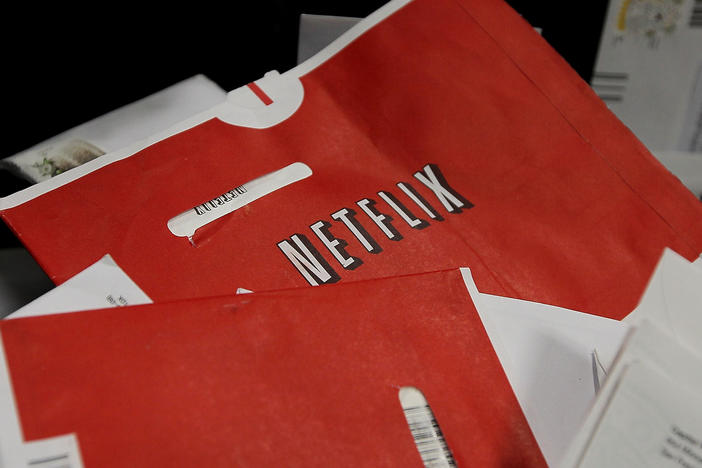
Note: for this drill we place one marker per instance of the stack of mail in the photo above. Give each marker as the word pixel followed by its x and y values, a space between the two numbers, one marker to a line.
pixel 475 221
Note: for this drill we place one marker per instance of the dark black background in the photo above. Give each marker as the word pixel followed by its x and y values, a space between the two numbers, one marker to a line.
pixel 61 68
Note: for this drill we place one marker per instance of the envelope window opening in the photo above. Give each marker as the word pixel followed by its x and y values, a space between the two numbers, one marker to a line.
pixel 425 429
pixel 186 223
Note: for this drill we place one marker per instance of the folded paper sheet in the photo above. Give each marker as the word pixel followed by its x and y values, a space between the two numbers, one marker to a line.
pixel 649 397
pixel 672 300
pixel 651 421
pixel 439 134
pixel 102 284
pixel 549 355
pixel 305 377
pixel 650 400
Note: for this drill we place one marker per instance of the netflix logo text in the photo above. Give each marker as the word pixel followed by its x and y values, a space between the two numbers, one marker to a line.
pixel 310 263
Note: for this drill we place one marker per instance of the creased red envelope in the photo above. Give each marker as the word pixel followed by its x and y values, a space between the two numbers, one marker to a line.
pixel 306 377
pixel 435 134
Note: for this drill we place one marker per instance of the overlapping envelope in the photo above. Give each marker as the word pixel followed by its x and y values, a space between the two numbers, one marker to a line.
pixel 432 135
pixel 545 352
pixel 307 377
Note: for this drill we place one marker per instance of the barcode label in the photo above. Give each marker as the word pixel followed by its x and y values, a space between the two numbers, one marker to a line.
pixel 425 430
pixel 696 16
pixel 610 86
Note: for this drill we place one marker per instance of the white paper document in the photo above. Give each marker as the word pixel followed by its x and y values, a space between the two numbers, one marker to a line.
pixel 650 397
pixel 672 300
pixel 649 70
pixel 103 284
pixel 548 355
pixel 650 421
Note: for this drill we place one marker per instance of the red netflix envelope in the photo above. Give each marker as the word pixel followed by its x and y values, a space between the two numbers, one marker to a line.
pixel 306 377
pixel 435 134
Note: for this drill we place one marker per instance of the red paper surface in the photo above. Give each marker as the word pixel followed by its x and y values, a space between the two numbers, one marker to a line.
pixel 306 377
pixel 568 208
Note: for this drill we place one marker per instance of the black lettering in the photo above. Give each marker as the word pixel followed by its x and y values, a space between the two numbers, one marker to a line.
pixel 690 453
pixel 199 210
pixel 684 435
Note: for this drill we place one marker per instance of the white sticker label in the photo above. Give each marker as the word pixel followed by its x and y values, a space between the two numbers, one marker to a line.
pixel 185 224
